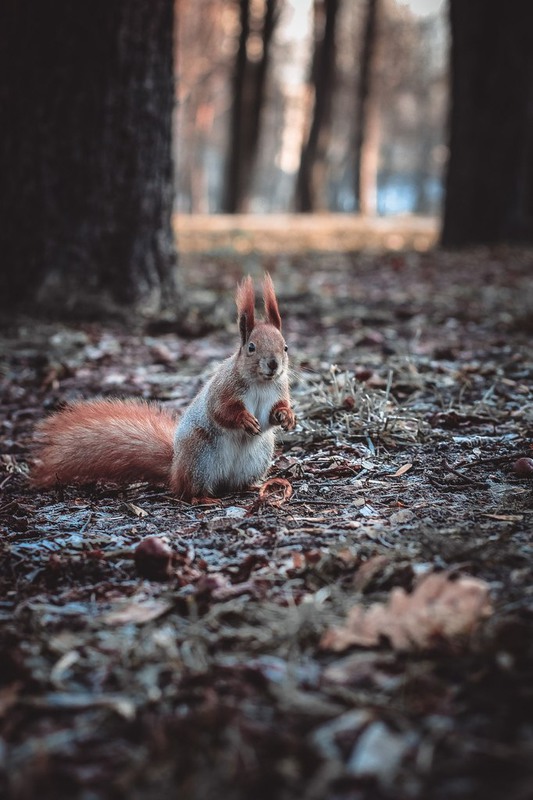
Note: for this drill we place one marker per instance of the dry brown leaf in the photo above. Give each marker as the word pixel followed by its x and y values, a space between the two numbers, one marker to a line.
pixel 137 510
pixel 137 612
pixel 402 470
pixel 401 517
pixel 275 491
pixel 368 571
pixel 438 609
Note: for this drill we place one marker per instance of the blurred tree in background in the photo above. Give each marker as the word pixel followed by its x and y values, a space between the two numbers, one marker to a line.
pixel 249 85
pixel 310 181
pixel 366 139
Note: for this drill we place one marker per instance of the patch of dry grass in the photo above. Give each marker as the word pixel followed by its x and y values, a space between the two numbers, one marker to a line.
pixel 335 404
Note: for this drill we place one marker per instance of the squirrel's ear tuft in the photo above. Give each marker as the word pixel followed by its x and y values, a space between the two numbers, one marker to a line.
pixel 271 304
pixel 245 299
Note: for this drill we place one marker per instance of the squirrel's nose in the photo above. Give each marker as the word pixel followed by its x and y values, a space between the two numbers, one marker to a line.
pixel 272 364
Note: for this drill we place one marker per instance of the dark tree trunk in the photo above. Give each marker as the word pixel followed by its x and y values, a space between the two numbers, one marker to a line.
pixel 86 193
pixel 258 91
pixel 366 128
pixel 489 187
pixel 249 86
pixel 232 183
pixel 311 178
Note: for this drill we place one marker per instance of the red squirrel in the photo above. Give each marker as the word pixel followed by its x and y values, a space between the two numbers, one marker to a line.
pixel 223 442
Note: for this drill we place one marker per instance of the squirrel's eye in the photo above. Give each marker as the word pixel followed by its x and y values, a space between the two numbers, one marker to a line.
pixel 251 347
pixel 286 347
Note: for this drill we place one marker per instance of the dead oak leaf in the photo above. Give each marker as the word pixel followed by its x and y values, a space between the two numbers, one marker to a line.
pixel 275 491
pixel 439 608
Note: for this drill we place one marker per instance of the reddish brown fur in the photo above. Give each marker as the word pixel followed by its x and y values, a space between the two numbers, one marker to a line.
pixel 108 440
pixel 230 414
pixel 181 483
pixel 226 409
pixel 271 304
pixel 282 414
pixel 182 474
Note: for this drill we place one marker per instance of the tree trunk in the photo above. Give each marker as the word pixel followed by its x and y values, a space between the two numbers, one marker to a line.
pixel 249 86
pixel 86 193
pixel 233 178
pixel 489 186
pixel 311 175
pixel 258 91
pixel 367 123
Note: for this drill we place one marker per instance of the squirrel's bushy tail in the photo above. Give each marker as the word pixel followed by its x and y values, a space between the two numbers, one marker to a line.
pixel 120 441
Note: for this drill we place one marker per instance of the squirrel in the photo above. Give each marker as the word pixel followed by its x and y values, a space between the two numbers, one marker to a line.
pixel 223 442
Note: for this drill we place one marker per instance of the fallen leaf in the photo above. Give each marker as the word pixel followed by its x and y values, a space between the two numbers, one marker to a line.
pixel 379 752
pixel 137 510
pixel 62 666
pixel 368 570
pixel 402 470
pixel 275 491
pixel 368 511
pixel 137 612
pixel 368 668
pixel 234 512
pixel 77 701
pixel 439 608
pixel 325 737
pixel 401 516
pixel 234 590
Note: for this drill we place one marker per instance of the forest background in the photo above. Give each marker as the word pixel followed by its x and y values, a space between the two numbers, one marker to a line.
pixel 295 106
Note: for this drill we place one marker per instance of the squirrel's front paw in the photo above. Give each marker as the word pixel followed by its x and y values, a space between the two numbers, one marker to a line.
pixel 283 416
pixel 248 423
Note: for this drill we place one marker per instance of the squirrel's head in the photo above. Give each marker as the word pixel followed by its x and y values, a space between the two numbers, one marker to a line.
pixel 263 351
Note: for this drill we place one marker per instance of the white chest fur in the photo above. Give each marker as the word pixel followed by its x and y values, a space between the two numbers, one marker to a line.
pixel 259 400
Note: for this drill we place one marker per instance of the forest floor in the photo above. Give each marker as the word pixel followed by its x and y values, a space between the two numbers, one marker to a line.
pixel 368 638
